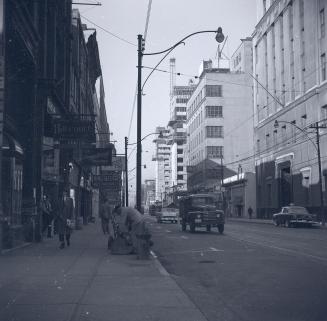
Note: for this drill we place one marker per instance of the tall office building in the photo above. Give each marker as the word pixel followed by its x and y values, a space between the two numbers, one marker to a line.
pixel 219 124
pixel 290 67
pixel 162 163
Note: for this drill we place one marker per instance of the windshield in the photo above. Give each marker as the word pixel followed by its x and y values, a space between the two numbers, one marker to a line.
pixel 202 201
pixel 298 210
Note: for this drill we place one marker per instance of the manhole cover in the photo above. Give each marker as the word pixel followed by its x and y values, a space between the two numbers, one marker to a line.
pixel 207 261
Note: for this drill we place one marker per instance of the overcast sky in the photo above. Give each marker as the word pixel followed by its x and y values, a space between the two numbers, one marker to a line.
pixel 170 21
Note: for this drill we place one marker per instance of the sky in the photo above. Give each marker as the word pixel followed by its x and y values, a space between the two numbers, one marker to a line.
pixel 169 22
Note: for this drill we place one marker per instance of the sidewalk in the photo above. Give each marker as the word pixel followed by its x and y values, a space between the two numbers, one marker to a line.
pixel 85 282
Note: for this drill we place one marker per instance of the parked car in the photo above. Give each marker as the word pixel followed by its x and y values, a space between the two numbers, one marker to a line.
pixel 201 210
pixel 168 214
pixel 293 216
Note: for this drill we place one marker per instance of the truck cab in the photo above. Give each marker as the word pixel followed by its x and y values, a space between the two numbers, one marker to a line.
pixel 201 210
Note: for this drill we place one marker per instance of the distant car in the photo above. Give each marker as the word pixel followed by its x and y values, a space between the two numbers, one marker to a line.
pixel 152 210
pixel 168 214
pixel 293 216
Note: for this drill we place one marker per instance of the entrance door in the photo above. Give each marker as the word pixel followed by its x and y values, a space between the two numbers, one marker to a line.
pixel 285 186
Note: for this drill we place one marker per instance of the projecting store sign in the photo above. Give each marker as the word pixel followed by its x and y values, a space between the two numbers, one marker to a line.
pixel 110 180
pixel 97 156
pixel 74 129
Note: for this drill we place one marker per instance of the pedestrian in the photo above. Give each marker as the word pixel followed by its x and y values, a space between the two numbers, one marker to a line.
pixel 105 215
pixel 47 215
pixel 64 219
pixel 250 211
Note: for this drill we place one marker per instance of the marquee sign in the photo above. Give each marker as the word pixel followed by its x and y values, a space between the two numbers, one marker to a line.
pixel 74 129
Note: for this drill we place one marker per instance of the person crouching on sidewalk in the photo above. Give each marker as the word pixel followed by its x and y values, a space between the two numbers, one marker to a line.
pixel 65 214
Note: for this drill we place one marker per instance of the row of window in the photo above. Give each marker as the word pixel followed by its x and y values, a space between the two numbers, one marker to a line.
pixel 207 91
pixel 215 151
pixel 210 112
pixel 181 100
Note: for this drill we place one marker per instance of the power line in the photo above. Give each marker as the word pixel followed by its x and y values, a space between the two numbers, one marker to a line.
pixel 145 36
pixel 109 32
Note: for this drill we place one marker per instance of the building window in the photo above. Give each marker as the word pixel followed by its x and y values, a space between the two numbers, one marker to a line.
pixel 179 159
pixel 214 131
pixel 180 177
pixel 213 90
pixel 293 131
pixel 179 168
pixel 323 66
pixel 322 23
pixel 215 151
pixel 179 151
pixel 214 111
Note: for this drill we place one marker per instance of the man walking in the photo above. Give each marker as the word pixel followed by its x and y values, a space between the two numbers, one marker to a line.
pixel 250 211
pixel 105 215
pixel 65 215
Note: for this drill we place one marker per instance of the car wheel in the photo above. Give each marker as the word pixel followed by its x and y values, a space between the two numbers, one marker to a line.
pixel 192 227
pixel 276 223
pixel 288 224
pixel 221 228
pixel 183 226
pixel 208 228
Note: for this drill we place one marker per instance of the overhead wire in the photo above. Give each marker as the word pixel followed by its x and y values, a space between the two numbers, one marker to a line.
pixel 145 36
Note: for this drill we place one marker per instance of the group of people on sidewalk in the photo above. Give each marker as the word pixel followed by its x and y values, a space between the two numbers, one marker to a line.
pixel 127 223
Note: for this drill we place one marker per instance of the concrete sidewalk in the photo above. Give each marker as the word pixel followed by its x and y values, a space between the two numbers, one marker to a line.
pixel 85 282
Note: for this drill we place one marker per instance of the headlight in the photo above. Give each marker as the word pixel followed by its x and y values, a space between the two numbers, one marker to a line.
pixel 198 216
pixel 218 215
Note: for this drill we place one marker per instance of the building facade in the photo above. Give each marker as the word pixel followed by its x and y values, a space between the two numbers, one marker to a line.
pixel 219 126
pixel 177 140
pixel 162 163
pixel 42 128
pixel 291 88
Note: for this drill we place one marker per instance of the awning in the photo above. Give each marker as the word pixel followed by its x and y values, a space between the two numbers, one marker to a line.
pixel 11 145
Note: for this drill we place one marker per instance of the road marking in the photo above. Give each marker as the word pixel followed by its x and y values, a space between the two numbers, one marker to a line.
pixel 193 251
pixel 214 249
pixel 168 231
pixel 184 237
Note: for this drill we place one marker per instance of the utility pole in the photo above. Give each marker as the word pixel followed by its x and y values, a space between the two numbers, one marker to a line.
pixel 139 123
pixel 126 173
pixel 322 212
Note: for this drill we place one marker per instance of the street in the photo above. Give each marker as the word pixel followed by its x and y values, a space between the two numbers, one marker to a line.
pixel 251 272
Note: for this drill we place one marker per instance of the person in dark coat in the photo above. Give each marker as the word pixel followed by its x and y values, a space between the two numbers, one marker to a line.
pixel 65 212
pixel 250 211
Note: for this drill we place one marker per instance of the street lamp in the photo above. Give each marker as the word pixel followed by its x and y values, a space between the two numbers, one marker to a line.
pixel 317 147
pixel 219 38
pixel 137 168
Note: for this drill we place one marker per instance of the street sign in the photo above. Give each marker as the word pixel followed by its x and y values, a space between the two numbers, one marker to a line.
pixel 111 180
pixel 74 129
pixel 97 156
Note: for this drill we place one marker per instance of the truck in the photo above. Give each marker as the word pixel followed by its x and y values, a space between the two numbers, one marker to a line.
pixel 201 210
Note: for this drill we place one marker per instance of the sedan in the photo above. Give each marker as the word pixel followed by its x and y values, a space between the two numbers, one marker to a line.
pixel 293 216
pixel 168 215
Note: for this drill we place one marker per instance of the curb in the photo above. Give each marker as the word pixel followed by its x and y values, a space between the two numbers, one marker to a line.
pixel 158 265
pixel 15 248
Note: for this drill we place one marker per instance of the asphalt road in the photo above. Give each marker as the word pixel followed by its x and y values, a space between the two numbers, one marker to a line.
pixel 254 272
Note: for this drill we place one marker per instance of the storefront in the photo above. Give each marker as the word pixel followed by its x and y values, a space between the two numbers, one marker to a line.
pixel 12 185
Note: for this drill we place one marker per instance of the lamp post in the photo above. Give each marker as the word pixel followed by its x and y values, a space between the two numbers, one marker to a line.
pixel 219 38
pixel 315 126
pixel 126 162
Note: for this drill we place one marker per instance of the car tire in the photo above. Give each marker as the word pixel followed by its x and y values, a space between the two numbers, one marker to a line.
pixel 276 223
pixel 208 228
pixel 288 224
pixel 221 228
pixel 192 227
